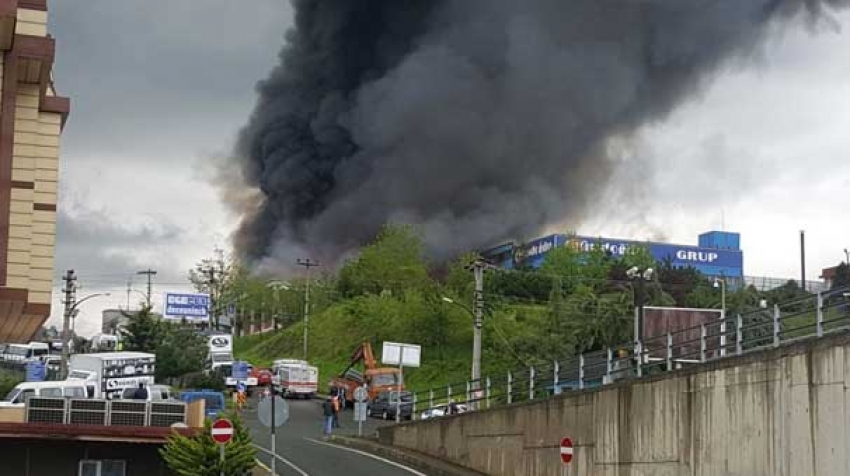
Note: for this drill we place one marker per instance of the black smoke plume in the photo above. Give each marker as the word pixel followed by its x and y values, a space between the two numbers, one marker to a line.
pixel 478 120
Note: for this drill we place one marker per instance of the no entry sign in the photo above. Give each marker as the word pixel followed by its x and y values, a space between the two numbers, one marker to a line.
pixel 222 431
pixel 566 450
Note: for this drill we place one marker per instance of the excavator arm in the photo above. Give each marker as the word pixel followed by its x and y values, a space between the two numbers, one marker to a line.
pixel 362 352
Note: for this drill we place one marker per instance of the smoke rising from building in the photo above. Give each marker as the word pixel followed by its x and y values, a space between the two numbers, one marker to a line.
pixel 478 120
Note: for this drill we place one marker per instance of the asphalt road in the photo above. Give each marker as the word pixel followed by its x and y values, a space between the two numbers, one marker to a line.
pixel 299 442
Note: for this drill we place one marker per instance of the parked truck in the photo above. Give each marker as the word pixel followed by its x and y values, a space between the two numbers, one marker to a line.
pixel 295 378
pixel 220 352
pixel 107 374
pixel 376 379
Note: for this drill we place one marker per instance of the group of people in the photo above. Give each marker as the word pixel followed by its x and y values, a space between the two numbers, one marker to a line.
pixel 330 410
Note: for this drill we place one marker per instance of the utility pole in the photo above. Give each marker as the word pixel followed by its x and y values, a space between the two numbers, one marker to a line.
pixel 803 260
pixel 150 273
pixel 478 320
pixel 306 263
pixel 129 290
pixel 70 291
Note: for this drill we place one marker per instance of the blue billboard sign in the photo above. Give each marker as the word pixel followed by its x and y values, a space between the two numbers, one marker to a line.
pixel 36 371
pixel 239 370
pixel 533 252
pixel 192 307
pixel 709 261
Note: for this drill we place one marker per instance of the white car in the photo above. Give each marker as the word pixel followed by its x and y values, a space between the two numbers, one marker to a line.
pixel 441 410
pixel 56 389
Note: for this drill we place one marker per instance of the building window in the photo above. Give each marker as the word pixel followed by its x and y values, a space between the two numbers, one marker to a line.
pixel 106 467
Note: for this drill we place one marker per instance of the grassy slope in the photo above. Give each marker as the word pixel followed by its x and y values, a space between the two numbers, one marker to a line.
pixel 336 332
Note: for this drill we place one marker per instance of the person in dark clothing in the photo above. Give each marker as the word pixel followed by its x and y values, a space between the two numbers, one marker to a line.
pixel 328 413
pixel 141 393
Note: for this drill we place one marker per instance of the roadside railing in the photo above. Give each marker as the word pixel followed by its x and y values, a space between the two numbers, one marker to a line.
pixel 815 316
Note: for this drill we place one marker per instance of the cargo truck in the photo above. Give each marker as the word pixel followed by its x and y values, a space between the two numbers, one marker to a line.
pixel 107 374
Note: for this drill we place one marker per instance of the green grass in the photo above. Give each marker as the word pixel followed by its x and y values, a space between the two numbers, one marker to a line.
pixel 336 332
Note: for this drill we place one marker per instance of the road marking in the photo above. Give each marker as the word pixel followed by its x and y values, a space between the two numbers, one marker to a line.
pixel 368 455
pixel 284 460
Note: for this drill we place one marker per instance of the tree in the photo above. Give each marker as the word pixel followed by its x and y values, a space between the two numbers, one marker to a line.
pixel 199 455
pixel 180 352
pixel 392 264
pixel 842 276
pixel 143 331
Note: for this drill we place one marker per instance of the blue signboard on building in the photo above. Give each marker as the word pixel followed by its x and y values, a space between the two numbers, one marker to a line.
pixel 36 371
pixel 192 307
pixel 533 252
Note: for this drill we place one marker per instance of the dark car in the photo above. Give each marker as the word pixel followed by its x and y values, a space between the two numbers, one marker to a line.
pixel 387 403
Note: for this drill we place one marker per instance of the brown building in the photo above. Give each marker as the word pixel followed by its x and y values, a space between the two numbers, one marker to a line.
pixel 31 119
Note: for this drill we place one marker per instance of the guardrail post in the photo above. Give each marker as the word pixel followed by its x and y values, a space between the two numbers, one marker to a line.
pixel 468 386
pixel 702 335
pixel 431 398
pixel 608 363
pixel 739 335
pixel 448 394
pixel 531 383
pixel 488 391
pixel 415 401
pixel 820 315
pixel 556 389
pixel 639 357
pixel 581 371
pixel 669 351
pixel 776 317
pixel 510 388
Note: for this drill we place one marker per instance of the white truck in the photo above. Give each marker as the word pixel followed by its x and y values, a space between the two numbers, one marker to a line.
pixel 295 378
pixel 107 374
pixel 220 352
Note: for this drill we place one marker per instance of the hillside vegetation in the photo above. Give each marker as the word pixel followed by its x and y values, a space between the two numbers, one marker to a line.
pixel 577 302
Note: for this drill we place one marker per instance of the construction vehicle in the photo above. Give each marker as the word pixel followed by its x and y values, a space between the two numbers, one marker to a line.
pixel 376 379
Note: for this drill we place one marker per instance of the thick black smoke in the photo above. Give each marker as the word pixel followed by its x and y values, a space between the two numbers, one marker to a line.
pixel 479 120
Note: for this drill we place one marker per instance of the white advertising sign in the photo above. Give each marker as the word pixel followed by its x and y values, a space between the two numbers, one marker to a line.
pixel 406 355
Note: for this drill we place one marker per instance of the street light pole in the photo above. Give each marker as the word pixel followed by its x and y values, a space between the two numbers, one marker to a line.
pixel 721 282
pixel 478 321
pixel 70 310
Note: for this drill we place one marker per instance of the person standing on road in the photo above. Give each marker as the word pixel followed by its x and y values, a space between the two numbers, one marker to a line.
pixel 337 402
pixel 328 413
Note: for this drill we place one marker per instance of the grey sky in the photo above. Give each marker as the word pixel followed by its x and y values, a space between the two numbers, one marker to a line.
pixel 159 88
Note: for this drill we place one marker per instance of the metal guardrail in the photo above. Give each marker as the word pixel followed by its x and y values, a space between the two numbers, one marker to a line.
pixel 813 316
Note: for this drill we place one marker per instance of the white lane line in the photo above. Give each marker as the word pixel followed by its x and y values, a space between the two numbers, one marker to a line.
pixel 282 459
pixel 368 455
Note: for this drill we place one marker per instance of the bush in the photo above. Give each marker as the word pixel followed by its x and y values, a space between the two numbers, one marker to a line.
pixel 8 381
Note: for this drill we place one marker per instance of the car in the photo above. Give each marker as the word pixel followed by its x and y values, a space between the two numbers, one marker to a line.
pixel 386 404
pixel 18 396
pixel 442 410
pixel 263 376
pixel 214 401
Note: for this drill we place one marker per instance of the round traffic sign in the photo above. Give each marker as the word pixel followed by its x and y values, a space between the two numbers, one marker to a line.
pixel 281 411
pixel 361 394
pixel 566 450
pixel 222 431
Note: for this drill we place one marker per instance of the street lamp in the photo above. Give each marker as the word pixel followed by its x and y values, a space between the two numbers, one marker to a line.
pixel 277 286
pixel 70 313
pixel 846 256
pixel 641 277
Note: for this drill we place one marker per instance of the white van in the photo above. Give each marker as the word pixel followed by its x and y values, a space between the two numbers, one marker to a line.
pixel 59 389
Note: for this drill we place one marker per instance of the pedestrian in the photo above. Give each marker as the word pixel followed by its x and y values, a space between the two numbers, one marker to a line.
pixel 141 393
pixel 328 414
pixel 336 401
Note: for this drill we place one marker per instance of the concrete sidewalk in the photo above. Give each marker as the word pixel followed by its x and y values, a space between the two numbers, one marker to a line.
pixel 427 464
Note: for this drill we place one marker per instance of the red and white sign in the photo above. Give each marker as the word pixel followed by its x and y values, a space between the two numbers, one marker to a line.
pixel 566 450
pixel 222 431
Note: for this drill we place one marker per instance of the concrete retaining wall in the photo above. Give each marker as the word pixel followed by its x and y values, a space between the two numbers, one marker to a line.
pixel 782 412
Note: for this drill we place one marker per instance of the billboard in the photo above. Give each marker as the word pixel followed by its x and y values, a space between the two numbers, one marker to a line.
pixel 709 261
pixel 192 307
pixel 533 252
